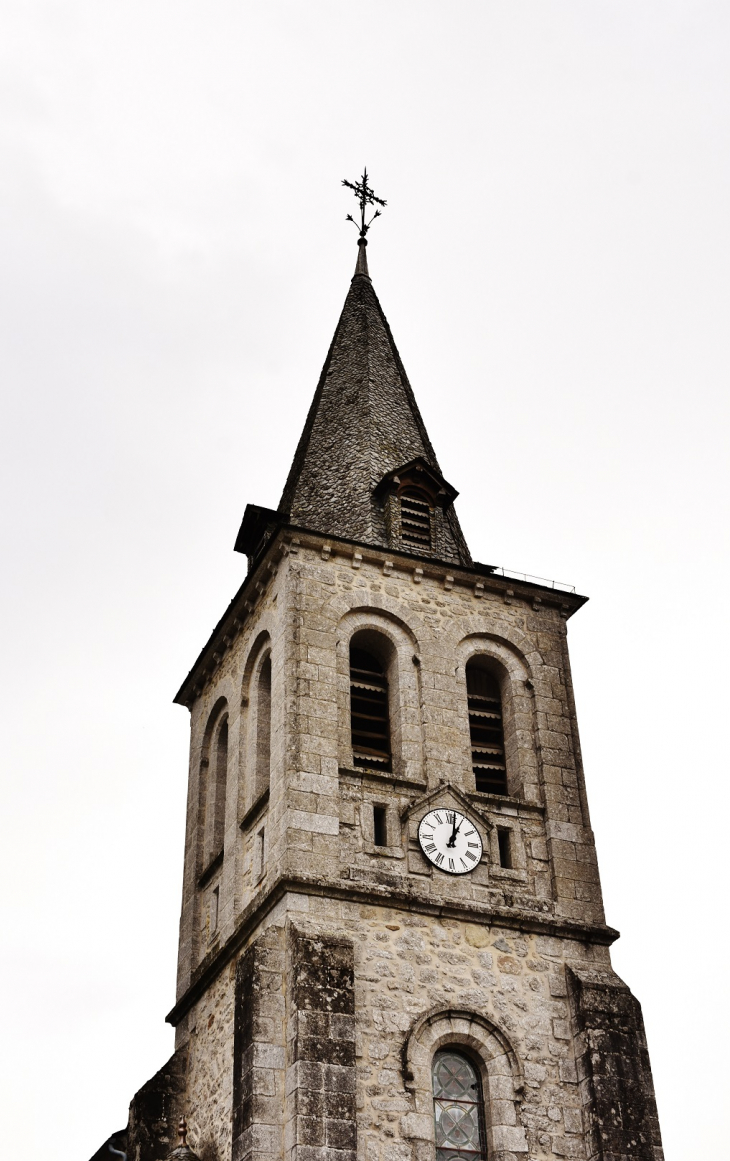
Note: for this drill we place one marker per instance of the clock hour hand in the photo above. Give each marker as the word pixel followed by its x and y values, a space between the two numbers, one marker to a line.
pixel 455 831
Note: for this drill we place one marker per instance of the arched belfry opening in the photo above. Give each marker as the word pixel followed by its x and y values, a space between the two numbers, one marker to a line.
pixel 486 726
pixel 370 702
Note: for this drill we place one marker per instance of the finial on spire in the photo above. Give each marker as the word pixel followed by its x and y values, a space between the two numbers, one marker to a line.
pixel 182 1131
pixel 366 197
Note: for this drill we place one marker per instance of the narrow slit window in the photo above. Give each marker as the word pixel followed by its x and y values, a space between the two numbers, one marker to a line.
pixel 458 1108
pixel 486 729
pixel 504 842
pixel 260 853
pixel 369 717
pixel 214 901
pixel 415 520
pixel 380 826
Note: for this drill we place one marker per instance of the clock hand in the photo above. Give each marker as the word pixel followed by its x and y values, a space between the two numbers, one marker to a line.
pixel 455 831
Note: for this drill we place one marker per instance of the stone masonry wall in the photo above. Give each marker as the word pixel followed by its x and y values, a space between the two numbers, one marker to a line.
pixel 209 1042
pixel 407 965
pixel 324 1036
pixel 613 1069
pixel 258 1054
pixel 155 1111
pixel 321 1075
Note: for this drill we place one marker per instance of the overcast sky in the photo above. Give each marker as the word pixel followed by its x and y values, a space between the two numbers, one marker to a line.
pixel 553 260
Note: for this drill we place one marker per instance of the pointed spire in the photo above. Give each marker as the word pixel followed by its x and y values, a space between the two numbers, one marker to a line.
pixel 363 423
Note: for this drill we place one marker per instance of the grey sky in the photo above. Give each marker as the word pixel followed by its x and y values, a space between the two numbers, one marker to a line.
pixel 553 261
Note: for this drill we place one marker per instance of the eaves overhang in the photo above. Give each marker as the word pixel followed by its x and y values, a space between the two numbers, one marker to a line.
pixel 257 521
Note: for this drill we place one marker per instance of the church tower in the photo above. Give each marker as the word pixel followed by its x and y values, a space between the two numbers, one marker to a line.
pixel 392 940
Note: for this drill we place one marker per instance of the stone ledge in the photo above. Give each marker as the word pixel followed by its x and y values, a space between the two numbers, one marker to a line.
pixel 214 865
pixel 349 773
pixel 252 814
pixel 383 896
pixel 496 803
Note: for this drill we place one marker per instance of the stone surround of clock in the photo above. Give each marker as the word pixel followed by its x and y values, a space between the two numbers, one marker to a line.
pixel 324 962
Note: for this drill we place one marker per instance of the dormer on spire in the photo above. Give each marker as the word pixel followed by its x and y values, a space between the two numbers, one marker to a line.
pixel 415 499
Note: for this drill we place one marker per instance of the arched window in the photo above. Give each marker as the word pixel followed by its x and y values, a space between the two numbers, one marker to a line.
pixel 486 728
pixel 212 786
pixel 415 519
pixel 458 1108
pixel 263 727
pixel 217 796
pixel 369 717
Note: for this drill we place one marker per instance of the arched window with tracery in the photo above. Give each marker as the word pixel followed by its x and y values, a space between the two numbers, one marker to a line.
pixel 369 714
pixel 458 1108
pixel 486 727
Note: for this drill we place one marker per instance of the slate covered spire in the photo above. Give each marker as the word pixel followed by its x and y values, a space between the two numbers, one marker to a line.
pixel 363 425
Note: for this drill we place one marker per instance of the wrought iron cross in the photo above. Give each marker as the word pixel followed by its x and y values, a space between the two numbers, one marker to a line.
pixel 366 197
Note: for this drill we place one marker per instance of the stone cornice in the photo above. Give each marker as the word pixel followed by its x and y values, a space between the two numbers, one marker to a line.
pixel 372 894
pixel 481 579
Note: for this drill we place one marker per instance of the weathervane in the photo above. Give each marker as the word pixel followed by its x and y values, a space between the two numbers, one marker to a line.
pixel 366 197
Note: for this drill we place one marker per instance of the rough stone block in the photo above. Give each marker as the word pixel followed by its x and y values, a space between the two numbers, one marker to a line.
pixel 509 1138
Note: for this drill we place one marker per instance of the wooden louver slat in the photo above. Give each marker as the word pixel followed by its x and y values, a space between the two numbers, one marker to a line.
pixel 369 711
pixel 415 517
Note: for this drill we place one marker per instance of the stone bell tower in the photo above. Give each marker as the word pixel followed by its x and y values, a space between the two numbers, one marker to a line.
pixel 392 941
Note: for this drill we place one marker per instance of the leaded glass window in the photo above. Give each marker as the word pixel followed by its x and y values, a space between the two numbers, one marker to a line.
pixel 458 1108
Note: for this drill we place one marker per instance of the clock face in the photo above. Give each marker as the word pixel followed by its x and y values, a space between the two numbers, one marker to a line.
pixel 450 841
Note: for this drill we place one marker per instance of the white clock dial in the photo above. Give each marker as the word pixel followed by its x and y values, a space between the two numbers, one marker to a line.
pixel 450 841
